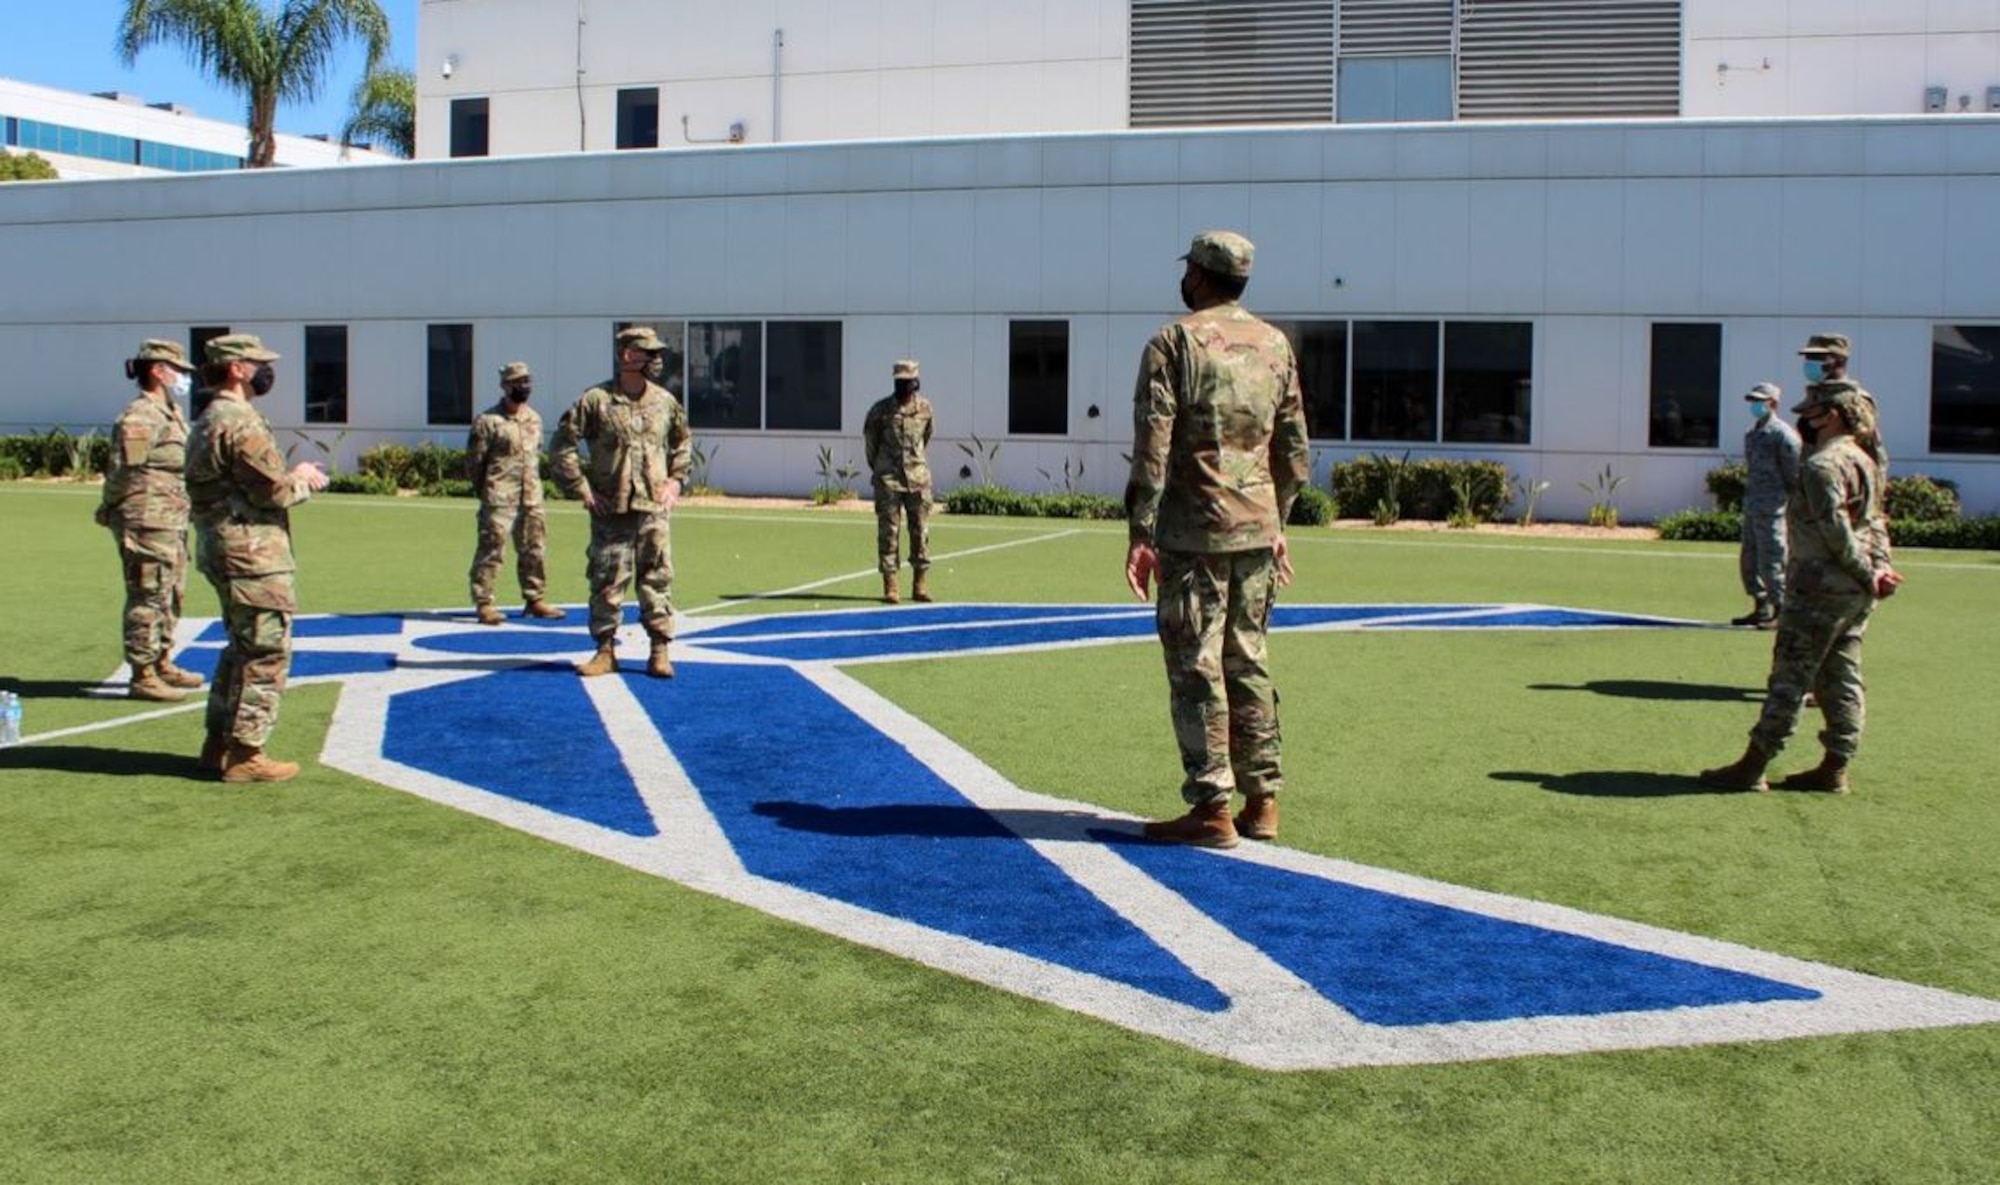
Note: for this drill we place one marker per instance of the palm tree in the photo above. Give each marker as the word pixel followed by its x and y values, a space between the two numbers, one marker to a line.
pixel 270 57
pixel 384 111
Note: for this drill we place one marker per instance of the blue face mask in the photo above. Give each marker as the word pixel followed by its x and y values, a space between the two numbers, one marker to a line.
pixel 1759 409
pixel 1815 370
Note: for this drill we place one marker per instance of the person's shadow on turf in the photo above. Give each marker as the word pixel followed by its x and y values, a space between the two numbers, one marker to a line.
pixel 1659 690
pixel 1613 783
pixel 933 822
pixel 116 763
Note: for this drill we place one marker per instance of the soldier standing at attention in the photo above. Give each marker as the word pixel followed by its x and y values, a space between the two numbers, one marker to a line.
pixel 1771 457
pixel 503 460
pixel 639 450
pixel 1218 455
pixel 894 437
pixel 1839 570
pixel 242 496
pixel 145 504
pixel 1825 364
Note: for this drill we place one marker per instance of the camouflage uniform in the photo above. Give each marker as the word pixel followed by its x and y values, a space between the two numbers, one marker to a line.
pixel 145 504
pixel 1771 454
pixel 894 437
pixel 1839 542
pixel 636 445
pixel 1219 453
pixel 503 460
pixel 1836 345
pixel 242 494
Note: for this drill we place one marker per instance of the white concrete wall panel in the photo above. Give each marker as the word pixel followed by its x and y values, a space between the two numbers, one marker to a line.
pixel 1901 258
pixel 1663 247
pixel 1742 257
pixel 1294 275
pixel 1585 266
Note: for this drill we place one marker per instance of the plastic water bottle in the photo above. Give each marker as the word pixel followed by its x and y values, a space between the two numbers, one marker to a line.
pixel 10 718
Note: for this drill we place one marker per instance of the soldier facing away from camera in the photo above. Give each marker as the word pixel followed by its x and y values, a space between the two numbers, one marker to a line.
pixel 895 436
pixel 503 460
pixel 1219 454
pixel 242 496
pixel 145 503
pixel 639 451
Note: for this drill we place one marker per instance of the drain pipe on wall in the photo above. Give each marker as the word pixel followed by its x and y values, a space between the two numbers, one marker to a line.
pixel 582 119
pixel 777 83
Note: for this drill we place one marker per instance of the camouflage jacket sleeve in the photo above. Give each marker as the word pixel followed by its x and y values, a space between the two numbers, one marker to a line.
pixel 258 468
pixel 1839 506
pixel 1153 405
pixel 680 443
pixel 565 465
pixel 1789 458
pixel 475 453
pixel 1291 452
pixel 871 437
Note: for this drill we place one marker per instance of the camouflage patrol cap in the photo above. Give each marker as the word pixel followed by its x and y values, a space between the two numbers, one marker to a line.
pixel 1223 252
pixel 515 372
pixel 155 349
pixel 640 337
pixel 1827 343
pixel 239 347
pixel 1764 393
pixel 905 368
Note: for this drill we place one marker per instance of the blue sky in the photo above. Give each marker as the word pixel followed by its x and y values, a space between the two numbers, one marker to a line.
pixel 70 45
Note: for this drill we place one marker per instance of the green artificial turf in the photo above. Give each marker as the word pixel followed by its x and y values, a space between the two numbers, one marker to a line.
pixel 330 980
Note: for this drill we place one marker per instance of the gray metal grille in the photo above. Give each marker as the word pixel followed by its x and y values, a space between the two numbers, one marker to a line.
pixel 1232 62
pixel 1541 59
pixel 1395 28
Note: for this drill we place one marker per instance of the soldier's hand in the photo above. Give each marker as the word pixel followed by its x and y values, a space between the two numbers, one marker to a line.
pixel 1142 564
pixel 1887 581
pixel 1281 551
pixel 589 500
pixel 671 493
pixel 312 473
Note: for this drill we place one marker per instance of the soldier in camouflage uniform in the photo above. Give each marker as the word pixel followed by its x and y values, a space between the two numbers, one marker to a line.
pixel 1826 356
pixel 242 495
pixel 503 460
pixel 1771 457
pixel 1218 455
pixel 894 437
pixel 1840 568
pixel 639 450
pixel 145 504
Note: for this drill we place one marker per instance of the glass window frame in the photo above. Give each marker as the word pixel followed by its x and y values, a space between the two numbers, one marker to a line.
pixel 1524 405
pixel 1659 422
pixel 1953 434
pixel 319 370
pixel 439 384
pixel 628 132
pixel 463 114
pixel 1024 392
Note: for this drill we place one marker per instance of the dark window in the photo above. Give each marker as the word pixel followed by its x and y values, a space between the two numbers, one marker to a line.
pixel 1321 349
pixel 326 374
pixel 1488 381
pixel 1687 385
pixel 1965 389
pixel 802 378
pixel 13 131
pixel 1395 380
pixel 725 374
pixel 639 118
pixel 1038 378
pixel 198 339
pixel 469 127
pixel 449 389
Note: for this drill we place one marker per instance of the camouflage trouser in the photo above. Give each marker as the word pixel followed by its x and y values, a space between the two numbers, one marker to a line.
pixel 1762 560
pixel 250 676
pixel 1818 650
pixel 891 507
pixel 625 548
pixel 155 564
pixel 1213 614
pixel 529 528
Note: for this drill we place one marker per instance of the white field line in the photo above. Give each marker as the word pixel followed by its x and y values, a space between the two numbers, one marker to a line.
pixel 200 703
pixel 811 585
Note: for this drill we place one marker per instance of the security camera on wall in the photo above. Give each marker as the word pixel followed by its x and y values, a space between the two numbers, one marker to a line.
pixel 450 64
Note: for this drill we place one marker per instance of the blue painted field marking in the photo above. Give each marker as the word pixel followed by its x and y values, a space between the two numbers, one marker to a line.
pixel 766 776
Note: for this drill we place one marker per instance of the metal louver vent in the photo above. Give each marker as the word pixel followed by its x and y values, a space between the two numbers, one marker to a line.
pixel 1543 59
pixel 1395 28
pixel 1231 62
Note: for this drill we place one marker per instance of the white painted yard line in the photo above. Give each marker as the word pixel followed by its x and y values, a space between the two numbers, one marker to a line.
pixel 808 587
pixel 201 702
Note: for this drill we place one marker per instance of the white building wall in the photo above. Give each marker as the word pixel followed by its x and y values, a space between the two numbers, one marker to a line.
pixel 1876 228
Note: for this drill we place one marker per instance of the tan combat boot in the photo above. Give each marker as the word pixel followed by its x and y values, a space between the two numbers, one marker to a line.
pixel 213 749
pixel 658 665
pixel 892 592
pixel 1207 825
pixel 1828 777
pixel 1259 817
pixel 1746 774
pixel 604 662
pixel 922 589
pixel 241 763
pixel 147 685
pixel 488 615
pixel 173 676
pixel 541 608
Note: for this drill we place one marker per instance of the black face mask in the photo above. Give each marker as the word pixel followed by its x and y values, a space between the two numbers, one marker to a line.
pixel 519 394
pixel 1187 291
pixel 262 382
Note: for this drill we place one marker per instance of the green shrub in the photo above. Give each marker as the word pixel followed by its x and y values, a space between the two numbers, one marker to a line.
pixel 360 483
pixel 1923 499
pixel 389 461
pixel 994 499
pixel 10 469
pixel 1313 508
pixel 1982 533
pixel 1421 489
pixel 983 499
pixel 1702 526
pixel 1726 484
pixel 432 464
pixel 450 487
